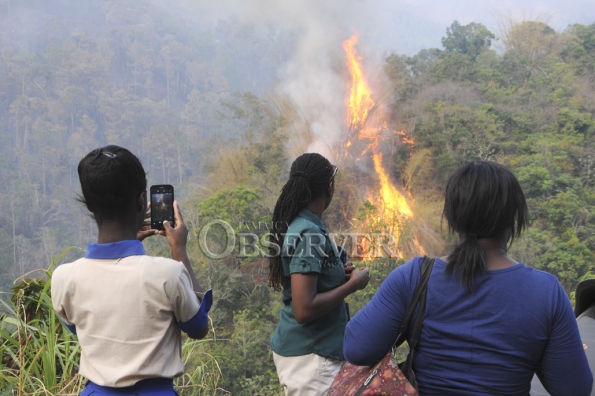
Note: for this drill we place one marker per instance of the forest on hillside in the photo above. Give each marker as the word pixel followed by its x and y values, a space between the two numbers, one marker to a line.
pixel 119 72
pixel 197 105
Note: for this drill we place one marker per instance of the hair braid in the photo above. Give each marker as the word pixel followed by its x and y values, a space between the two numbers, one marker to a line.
pixel 309 177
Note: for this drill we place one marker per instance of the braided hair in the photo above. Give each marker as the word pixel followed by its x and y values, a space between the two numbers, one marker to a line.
pixel 309 177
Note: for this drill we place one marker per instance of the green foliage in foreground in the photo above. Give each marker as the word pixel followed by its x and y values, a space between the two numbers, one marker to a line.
pixel 39 354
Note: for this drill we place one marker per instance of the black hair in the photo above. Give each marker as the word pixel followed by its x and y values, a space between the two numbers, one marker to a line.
pixel 112 179
pixel 482 200
pixel 309 177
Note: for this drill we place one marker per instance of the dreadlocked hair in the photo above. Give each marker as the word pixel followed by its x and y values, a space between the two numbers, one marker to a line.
pixel 309 177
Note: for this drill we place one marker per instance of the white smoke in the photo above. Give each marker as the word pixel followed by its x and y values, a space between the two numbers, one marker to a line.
pixel 315 77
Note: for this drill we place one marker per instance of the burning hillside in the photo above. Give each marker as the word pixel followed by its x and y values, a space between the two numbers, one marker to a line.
pixel 363 144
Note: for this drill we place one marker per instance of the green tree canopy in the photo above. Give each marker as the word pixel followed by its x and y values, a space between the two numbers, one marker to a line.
pixel 471 39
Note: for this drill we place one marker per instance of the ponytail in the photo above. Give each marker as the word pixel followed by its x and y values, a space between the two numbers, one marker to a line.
pixel 469 259
pixel 482 200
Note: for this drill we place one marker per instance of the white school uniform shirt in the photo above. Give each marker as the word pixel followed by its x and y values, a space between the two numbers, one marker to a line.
pixel 128 310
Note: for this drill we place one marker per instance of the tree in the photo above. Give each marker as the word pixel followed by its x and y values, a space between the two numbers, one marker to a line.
pixel 531 42
pixel 24 110
pixel 175 56
pixel 580 47
pixel 471 39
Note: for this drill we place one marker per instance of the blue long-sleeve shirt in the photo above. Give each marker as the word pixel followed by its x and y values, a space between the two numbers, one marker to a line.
pixel 517 320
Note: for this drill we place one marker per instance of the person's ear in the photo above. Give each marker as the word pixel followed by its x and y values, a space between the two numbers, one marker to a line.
pixel 142 201
pixel 330 189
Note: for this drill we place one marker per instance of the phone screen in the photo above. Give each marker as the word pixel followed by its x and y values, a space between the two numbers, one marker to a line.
pixel 162 206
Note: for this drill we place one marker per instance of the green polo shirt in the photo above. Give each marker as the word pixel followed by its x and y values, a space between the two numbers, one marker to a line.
pixel 307 248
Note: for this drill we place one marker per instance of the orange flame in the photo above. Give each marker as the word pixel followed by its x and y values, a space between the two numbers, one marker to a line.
pixel 392 204
pixel 406 139
pixel 360 100
pixel 394 201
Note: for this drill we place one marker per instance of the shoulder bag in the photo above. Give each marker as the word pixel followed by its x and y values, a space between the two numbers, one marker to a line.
pixel 387 377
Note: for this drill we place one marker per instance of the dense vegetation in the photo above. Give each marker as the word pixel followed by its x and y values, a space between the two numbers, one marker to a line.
pixel 530 107
pixel 193 103
pixel 77 75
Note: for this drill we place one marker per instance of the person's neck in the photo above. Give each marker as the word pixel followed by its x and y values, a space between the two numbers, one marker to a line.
pixel 496 250
pixel 496 253
pixel 317 206
pixel 113 231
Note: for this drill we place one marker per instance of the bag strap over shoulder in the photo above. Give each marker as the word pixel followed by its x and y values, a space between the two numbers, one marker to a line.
pixel 426 270
pixel 419 296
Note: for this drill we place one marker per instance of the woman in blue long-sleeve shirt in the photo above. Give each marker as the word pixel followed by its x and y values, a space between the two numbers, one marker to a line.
pixel 491 322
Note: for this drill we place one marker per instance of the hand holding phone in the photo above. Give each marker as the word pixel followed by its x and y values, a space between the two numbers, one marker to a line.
pixel 162 206
pixel 146 230
pixel 177 237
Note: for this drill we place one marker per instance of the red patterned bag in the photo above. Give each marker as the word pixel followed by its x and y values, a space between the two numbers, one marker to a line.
pixel 385 377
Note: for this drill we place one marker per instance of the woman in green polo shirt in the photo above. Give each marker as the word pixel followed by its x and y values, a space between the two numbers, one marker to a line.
pixel 308 342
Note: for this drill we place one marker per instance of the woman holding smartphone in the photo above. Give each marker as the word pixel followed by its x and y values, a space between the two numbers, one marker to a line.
pixel 308 342
pixel 128 309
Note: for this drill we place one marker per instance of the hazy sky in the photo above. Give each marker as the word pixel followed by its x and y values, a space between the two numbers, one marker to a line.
pixel 403 26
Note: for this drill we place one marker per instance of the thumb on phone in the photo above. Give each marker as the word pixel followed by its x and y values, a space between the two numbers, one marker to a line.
pixel 169 233
pixel 176 237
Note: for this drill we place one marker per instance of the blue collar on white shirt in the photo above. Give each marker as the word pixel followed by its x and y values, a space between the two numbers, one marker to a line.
pixel 114 250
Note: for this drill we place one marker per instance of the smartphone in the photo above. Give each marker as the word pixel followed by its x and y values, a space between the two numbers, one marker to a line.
pixel 162 205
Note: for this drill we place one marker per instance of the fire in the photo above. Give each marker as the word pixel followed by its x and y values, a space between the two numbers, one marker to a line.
pixel 406 139
pixel 394 201
pixel 393 206
pixel 360 100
